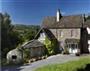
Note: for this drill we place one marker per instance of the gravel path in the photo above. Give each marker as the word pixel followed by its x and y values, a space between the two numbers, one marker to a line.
pixel 50 60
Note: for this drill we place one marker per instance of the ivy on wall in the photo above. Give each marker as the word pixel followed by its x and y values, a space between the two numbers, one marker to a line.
pixel 51 45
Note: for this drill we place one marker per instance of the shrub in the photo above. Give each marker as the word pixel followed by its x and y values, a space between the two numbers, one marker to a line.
pixel 51 46
pixel 26 55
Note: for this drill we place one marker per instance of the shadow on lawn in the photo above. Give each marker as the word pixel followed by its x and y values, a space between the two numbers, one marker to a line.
pixel 13 68
pixel 87 68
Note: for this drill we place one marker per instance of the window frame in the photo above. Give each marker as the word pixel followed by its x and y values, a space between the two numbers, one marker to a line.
pixel 72 33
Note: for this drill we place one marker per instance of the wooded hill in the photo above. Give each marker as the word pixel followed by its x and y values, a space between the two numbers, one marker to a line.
pixel 14 35
pixel 28 32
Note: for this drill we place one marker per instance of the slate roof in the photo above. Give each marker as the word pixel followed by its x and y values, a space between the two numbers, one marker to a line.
pixel 65 22
pixel 33 43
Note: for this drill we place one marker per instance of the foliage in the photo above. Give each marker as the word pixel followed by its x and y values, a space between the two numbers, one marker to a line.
pixel 47 43
pixel 55 46
pixel 9 38
pixel 28 32
pixel 30 35
pixel 88 17
pixel 3 62
pixel 51 46
pixel 79 65
pixel 14 35
pixel 26 55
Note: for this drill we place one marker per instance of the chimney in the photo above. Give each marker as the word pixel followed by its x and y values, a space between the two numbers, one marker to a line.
pixel 58 15
pixel 84 18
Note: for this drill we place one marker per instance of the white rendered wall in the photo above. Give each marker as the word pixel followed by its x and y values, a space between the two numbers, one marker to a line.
pixel 42 37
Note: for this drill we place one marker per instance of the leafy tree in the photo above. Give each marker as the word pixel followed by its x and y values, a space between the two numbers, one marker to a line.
pixel 13 35
pixel 88 17
pixel 9 38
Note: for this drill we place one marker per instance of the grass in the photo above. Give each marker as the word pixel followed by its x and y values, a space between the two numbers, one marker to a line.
pixel 80 65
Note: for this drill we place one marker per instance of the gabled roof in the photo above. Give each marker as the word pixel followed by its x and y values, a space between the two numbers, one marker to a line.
pixel 47 32
pixel 74 21
pixel 33 43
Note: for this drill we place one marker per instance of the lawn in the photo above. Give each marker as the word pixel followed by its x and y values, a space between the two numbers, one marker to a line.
pixel 83 64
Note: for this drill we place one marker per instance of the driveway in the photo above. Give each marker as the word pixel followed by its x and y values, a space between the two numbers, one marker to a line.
pixel 50 60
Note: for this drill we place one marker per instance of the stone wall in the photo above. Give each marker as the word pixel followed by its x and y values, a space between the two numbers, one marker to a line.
pixel 36 51
pixel 62 34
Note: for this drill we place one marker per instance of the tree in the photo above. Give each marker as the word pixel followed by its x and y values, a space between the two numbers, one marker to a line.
pixel 9 38
pixel 88 17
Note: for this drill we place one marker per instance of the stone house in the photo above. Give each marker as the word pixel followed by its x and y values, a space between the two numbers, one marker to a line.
pixel 37 49
pixel 46 37
pixel 29 50
pixel 70 31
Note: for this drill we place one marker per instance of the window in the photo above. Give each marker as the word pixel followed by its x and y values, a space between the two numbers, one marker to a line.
pixel 72 33
pixel 76 34
pixel 72 47
pixel 14 57
pixel 61 33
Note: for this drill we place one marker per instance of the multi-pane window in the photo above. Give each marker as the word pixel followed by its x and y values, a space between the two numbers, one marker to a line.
pixel 72 47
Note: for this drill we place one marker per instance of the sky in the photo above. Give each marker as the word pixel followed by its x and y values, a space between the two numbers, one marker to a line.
pixel 33 11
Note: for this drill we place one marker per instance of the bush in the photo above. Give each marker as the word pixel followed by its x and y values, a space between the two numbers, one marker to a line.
pixel 3 62
pixel 51 46
pixel 26 55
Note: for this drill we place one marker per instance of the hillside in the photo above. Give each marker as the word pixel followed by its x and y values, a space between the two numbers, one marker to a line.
pixel 28 32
